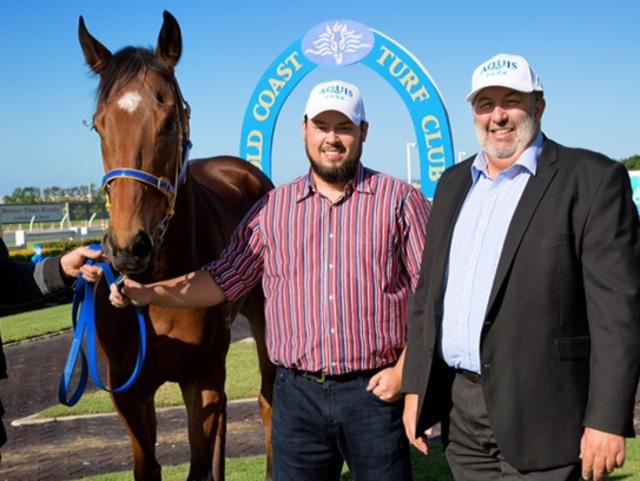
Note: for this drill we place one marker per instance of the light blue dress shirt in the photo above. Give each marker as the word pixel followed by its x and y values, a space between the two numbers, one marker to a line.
pixel 478 238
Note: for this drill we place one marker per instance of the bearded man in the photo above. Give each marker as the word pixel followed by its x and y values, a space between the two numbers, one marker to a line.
pixel 524 333
pixel 338 251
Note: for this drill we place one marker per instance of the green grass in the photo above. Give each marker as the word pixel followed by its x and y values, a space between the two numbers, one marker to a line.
pixel 631 469
pixel 237 469
pixel 27 325
pixel 425 468
pixel 243 381
pixel 243 376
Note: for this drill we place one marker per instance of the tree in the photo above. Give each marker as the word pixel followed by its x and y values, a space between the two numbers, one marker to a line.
pixel 24 195
pixel 632 163
pixel 54 194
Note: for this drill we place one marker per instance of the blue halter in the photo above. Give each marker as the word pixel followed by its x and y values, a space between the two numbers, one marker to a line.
pixel 83 321
pixel 163 184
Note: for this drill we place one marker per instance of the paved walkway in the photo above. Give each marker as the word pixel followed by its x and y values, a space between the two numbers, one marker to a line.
pixel 71 449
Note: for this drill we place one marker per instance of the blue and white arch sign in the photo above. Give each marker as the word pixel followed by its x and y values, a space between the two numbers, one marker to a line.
pixel 338 43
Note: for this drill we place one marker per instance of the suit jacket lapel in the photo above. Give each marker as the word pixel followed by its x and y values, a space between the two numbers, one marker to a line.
pixel 456 195
pixel 527 206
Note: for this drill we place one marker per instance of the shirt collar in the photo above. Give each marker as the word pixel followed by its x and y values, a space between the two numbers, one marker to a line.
pixel 528 160
pixel 362 181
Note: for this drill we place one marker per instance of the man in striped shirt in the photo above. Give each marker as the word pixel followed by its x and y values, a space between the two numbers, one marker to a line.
pixel 338 251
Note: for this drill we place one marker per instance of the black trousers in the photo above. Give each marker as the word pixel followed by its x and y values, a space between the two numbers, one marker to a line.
pixel 472 451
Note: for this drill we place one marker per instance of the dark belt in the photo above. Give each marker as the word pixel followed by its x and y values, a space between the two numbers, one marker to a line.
pixel 321 377
pixel 471 376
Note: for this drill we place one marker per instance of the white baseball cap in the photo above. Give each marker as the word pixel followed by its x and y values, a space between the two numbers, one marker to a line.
pixel 504 70
pixel 336 95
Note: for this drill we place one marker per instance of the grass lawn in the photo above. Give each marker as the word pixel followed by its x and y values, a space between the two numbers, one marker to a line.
pixel 243 375
pixel 425 468
pixel 27 325
pixel 243 381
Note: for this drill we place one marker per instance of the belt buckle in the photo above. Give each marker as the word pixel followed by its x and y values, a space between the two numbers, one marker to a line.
pixel 321 379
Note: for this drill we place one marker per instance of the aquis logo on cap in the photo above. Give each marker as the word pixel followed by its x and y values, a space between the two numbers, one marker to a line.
pixel 498 67
pixel 504 70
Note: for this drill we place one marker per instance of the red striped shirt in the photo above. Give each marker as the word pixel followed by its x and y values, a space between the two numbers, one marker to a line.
pixel 336 277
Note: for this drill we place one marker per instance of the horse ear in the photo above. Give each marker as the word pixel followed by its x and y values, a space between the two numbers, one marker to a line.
pixel 96 55
pixel 169 46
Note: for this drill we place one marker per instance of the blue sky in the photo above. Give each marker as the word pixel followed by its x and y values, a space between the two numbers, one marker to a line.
pixel 587 54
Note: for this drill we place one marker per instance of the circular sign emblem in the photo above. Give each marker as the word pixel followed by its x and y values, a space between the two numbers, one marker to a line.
pixel 337 43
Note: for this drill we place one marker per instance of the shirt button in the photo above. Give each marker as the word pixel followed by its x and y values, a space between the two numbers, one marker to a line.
pixel 332 330
pixel 331 297
pixel 330 266
pixel 330 236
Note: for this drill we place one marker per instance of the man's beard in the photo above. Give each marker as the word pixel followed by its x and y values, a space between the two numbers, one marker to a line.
pixel 339 174
pixel 525 131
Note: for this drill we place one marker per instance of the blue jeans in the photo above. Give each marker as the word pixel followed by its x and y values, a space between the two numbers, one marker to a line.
pixel 316 426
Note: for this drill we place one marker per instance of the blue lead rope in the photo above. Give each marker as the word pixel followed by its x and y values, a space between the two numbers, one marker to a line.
pixel 83 320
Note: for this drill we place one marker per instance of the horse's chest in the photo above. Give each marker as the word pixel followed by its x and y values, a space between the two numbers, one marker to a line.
pixel 196 327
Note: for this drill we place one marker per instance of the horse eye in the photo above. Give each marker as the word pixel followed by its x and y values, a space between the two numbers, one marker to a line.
pixel 168 127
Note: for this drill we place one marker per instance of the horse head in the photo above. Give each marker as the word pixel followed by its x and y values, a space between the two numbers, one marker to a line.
pixel 143 123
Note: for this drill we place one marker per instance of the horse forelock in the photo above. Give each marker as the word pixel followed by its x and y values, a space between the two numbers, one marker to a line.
pixel 124 68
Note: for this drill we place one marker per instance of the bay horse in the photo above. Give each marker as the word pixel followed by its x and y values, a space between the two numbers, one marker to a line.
pixel 167 219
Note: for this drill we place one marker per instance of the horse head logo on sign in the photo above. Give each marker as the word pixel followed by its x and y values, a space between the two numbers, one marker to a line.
pixel 342 43
pixel 338 43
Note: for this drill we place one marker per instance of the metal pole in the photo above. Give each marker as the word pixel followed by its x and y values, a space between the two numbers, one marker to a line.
pixel 410 145
pixel 89 192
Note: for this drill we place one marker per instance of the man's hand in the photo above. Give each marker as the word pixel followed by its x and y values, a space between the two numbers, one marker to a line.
pixel 601 453
pixel 196 289
pixel 73 264
pixel 410 418
pixel 385 384
pixel 131 292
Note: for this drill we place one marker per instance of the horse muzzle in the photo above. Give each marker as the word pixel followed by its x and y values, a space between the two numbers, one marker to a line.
pixel 132 258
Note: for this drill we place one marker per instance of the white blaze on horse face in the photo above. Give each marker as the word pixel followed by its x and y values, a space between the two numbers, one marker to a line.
pixel 129 102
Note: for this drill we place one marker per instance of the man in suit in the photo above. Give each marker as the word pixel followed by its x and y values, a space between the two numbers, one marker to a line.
pixel 524 331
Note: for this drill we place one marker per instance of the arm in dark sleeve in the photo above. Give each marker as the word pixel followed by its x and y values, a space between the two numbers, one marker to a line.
pixel 414 359
pixel 611 271
pixel 22 281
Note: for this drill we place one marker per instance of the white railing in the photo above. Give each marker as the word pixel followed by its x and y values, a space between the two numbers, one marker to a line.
pixel 9 237
pixel 22 238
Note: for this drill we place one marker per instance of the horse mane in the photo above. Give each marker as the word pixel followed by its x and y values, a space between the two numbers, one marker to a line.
pixel 125 65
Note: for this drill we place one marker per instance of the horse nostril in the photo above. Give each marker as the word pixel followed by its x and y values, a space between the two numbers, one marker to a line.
pixel 108 247
pixel 141 245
